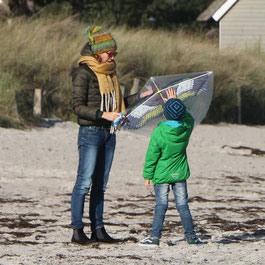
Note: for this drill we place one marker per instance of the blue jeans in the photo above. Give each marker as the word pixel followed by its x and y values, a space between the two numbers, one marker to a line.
pixel 181 198
pixel 96 150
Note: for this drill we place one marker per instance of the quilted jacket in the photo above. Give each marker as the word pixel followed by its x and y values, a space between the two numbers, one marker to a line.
pixel 86 98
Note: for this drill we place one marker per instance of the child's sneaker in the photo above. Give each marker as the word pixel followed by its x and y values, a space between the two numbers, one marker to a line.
pixel 193 241
pixel 149 242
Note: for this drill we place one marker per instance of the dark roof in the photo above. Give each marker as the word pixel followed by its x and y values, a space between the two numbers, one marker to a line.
pixel 212 8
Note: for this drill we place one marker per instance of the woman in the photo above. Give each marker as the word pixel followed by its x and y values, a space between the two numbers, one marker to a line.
pixel 97 101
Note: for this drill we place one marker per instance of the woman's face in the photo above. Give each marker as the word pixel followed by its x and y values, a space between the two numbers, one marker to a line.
pixel 107 57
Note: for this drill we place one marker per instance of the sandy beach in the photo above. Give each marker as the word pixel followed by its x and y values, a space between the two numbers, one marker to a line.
pixel 226 191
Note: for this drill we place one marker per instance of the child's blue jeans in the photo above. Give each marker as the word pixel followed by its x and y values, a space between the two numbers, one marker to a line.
pixel 181 198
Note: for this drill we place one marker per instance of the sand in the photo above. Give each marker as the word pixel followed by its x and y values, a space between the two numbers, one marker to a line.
pixel 226 191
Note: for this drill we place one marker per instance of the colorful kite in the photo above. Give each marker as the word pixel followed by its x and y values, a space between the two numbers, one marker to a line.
pixel 194 89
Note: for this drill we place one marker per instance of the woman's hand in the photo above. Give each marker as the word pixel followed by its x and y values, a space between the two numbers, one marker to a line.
pixel 171 93
pixel 146 93
pixel 147 183
pixel 110 116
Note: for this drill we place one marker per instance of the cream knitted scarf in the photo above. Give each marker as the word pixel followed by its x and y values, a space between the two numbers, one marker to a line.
pixel 111 96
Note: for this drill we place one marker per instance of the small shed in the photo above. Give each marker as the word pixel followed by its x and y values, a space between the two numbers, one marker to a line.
pixel 241 22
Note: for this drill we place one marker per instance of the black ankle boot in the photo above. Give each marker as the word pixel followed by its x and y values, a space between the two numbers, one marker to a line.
pixel 79 237
pixel 101 235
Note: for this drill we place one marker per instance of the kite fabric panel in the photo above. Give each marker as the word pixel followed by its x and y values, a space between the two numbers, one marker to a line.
pixel 194 89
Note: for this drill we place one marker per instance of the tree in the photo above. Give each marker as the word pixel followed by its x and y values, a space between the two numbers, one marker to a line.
pixel 135 13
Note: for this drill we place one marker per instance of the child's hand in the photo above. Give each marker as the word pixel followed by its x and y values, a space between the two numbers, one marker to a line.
pixel 171 93
pixel 147 183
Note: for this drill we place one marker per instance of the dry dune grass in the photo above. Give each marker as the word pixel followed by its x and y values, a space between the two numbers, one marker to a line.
pixel 42 52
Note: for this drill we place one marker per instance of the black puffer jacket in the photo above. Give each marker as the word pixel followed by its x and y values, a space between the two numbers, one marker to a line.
pixel 86 96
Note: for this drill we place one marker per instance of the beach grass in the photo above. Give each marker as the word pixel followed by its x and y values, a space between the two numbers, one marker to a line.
pixel 41 53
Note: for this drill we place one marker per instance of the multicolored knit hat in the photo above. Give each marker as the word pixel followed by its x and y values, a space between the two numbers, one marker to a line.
pixel 100 39
pixel 174 109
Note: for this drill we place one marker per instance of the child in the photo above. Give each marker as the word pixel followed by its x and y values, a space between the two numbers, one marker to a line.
pixel 166 165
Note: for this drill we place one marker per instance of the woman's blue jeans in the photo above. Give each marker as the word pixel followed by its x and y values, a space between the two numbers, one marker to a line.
pixel 96 150
pixel 181 198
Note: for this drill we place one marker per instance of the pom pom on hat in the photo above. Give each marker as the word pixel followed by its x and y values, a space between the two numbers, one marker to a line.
pixel 174 109
pixel 100 39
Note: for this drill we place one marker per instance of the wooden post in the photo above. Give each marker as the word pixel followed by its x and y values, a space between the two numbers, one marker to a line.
pixel 14 109
pixel 239 107
pixel 37 102
pixel 135 87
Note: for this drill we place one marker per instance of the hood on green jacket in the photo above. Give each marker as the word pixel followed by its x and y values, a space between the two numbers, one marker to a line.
pixel 166 159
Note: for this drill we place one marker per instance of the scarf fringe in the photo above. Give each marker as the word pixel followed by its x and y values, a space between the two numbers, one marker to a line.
pixel 102 103
pixel 106 100
pixel 114 102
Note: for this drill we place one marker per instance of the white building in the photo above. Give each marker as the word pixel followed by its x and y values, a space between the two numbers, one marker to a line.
pixel 241 22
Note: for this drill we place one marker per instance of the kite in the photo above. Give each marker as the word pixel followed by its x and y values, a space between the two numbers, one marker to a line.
pixel 194 89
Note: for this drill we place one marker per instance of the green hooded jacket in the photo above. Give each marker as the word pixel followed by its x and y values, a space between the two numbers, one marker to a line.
pixel 166 158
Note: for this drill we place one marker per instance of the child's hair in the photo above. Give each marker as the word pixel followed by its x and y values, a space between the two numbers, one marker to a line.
pixel 174 109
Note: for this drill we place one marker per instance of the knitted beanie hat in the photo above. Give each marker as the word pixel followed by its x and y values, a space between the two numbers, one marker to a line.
pixel 100 39
pixel 174 109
